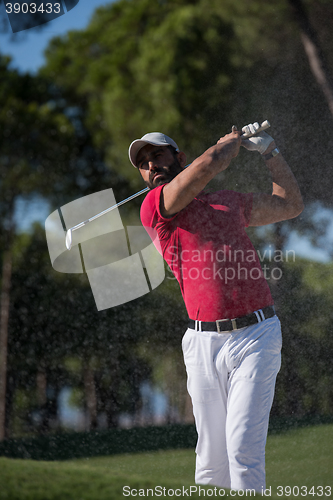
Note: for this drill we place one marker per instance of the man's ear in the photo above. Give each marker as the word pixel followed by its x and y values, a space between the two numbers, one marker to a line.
pixel 182 159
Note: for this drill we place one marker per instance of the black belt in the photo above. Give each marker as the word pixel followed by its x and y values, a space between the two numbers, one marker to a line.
pixel 227 325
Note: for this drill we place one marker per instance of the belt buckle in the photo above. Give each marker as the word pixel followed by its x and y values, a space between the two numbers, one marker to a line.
pixel 233 323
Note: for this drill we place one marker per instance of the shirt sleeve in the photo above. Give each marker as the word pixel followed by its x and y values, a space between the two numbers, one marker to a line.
pixel 150 212
pixel 240 203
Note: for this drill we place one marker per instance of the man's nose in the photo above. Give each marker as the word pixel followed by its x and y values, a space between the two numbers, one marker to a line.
pixel 152 165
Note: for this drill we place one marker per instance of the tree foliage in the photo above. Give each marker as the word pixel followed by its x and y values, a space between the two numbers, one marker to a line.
pixel 191 69
pixel 45 151
pixel 147 64
pixel 306 319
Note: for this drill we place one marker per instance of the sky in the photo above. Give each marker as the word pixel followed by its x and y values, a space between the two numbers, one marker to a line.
pixel 26 49
pixel 27 52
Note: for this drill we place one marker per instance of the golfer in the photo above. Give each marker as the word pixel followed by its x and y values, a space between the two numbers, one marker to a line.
pixel 232 347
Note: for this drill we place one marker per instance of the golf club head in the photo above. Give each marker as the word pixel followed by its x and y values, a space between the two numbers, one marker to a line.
pixel 69 239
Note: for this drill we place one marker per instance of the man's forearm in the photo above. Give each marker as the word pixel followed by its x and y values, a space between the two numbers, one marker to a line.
pixel 185 187
pixel 285 185
pixel 285 202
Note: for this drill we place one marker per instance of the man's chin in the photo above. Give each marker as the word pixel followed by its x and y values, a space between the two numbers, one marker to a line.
pixel 159 181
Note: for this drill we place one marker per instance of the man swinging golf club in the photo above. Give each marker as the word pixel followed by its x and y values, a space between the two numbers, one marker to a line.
pixel 233 342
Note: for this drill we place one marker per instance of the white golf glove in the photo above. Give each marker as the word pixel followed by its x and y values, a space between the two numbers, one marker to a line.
pixel 258 142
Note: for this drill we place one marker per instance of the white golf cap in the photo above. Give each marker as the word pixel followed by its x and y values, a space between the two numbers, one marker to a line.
pixel 154 138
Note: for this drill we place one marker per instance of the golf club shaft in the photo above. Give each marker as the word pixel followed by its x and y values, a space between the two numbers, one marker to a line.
pixel 109 209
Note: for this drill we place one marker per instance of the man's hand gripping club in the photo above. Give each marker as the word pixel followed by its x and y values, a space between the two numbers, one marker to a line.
pixel 285 201
pixel 259 141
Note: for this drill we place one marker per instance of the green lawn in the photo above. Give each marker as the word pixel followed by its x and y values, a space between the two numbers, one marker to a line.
pixel 302 457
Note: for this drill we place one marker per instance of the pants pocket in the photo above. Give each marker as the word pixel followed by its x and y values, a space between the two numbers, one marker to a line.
pixel 202 381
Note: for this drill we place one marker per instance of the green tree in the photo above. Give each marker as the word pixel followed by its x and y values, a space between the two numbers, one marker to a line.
pixel 304 384
pixel 313 50
pixel 193 68
pixel 163 64
pixel 32 134
pixel 46 151
pixel 57 338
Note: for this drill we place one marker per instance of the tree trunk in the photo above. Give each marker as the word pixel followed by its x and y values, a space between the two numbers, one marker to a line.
pixel 10 392
pixel 313 51
pixel 90 395
pixel 4 317
pixel 41 386
pixel 41 383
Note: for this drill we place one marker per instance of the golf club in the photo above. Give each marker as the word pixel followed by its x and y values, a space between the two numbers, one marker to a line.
pixel 262 127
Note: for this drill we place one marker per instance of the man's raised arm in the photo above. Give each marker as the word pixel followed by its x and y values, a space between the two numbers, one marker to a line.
pixel 178 193
pixel 285 202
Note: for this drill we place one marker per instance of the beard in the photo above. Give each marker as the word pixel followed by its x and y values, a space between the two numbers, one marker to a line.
pixel 164 174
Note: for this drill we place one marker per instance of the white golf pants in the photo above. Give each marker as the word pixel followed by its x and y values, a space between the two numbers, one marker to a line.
pixel 231 380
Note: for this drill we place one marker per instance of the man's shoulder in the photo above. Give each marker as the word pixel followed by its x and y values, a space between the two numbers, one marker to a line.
pixel 150 206
pixel 151 198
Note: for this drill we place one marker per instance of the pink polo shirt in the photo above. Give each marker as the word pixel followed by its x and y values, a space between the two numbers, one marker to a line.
pixel 210 254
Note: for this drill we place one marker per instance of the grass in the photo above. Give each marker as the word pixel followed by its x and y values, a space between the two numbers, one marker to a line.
pixel 171 465
pixel 302 457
